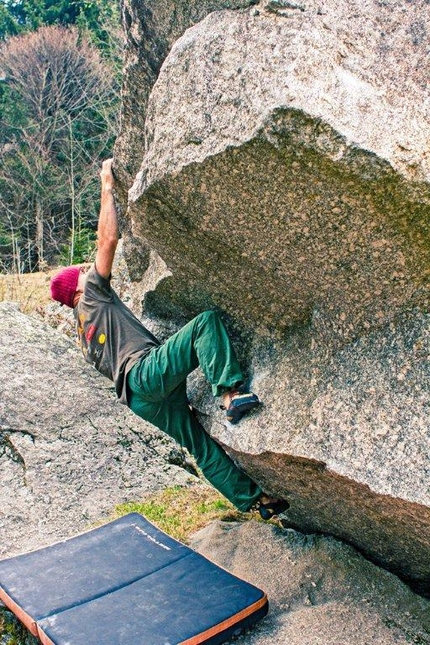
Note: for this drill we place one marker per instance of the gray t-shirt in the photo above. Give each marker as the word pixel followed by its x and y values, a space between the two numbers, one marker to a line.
pixel 110 336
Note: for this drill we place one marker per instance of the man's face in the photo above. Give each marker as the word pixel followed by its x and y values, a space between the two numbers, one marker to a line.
pixel 81 284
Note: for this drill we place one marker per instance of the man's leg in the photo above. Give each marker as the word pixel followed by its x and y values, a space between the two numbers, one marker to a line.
pixel 202 342
pixel 173 416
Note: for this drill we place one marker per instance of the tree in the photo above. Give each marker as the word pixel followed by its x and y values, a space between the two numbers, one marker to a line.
pixel 18 16
pixel 58 106
pixel 100 17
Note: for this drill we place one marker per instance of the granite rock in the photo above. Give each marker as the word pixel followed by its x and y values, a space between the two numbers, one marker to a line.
pixel 152 27
pixel 284 179
pixel 320 591
pixel 69 452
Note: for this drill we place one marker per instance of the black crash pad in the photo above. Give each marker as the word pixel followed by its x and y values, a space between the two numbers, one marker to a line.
pixel 127 583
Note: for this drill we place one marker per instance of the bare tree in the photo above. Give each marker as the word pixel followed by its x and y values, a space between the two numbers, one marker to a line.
pixel 61 102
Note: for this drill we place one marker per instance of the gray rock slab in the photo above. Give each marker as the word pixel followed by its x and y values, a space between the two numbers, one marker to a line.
pixel 320 591
pixel 69 452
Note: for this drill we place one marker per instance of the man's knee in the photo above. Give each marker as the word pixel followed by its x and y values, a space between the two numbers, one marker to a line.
pixel 208 317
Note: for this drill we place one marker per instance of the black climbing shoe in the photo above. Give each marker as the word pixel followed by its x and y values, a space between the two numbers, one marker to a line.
pixel 272 509
pixel 240 404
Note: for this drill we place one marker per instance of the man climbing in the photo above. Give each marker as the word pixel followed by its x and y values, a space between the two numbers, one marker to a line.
pixel 150 377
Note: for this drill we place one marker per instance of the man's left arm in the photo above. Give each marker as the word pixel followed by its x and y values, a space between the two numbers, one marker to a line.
pixel 107 230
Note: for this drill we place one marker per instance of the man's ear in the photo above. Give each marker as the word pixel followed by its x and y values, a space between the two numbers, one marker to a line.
pixel 76 298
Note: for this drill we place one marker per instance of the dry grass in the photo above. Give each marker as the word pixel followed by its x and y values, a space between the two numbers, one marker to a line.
pixel 30 290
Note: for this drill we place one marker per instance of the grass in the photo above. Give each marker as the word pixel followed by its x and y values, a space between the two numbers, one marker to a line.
pixel 181 511
pixel 12 632
pixel 29 289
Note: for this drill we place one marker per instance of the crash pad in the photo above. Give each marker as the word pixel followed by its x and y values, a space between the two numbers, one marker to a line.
pixel 127 583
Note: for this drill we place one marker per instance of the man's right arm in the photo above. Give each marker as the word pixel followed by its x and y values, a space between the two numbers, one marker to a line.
pixel 107 231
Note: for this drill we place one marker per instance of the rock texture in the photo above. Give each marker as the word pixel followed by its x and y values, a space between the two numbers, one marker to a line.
pixel 68 450
pixel 152 27
pixel 320 591
pixel 284 177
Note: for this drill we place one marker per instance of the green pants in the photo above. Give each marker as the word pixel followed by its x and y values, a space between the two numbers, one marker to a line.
pixel 156 390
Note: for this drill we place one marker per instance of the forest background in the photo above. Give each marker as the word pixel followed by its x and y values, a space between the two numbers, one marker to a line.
pixel 60 74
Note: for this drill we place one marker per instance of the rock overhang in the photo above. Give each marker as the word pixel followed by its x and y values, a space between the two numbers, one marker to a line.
pixel 277 233
pixel 273 155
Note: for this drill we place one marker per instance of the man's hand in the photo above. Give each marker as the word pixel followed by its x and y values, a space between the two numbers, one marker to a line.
pixel 106 175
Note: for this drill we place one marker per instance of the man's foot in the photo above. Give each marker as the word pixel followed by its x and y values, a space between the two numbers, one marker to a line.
pixel 270 507
pixel 237 404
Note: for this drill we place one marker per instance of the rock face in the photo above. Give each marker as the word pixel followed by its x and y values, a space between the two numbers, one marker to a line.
pixel 68 450
pixel 320 591
pixel 284 172
pixel 152 27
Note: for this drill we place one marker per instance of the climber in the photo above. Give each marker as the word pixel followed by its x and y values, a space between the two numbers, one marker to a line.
pixel 150 377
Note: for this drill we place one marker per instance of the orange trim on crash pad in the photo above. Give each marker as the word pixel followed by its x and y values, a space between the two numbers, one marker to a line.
pixel 25 619
pixel 229 622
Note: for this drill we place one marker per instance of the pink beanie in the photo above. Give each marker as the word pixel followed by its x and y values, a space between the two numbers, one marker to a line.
pixel 63 285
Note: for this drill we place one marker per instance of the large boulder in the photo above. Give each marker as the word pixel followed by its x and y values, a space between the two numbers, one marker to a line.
pixel 69 452
pixel 284 178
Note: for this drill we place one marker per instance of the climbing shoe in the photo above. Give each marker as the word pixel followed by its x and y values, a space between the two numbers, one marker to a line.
pixel 240 404
pixel 273 508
